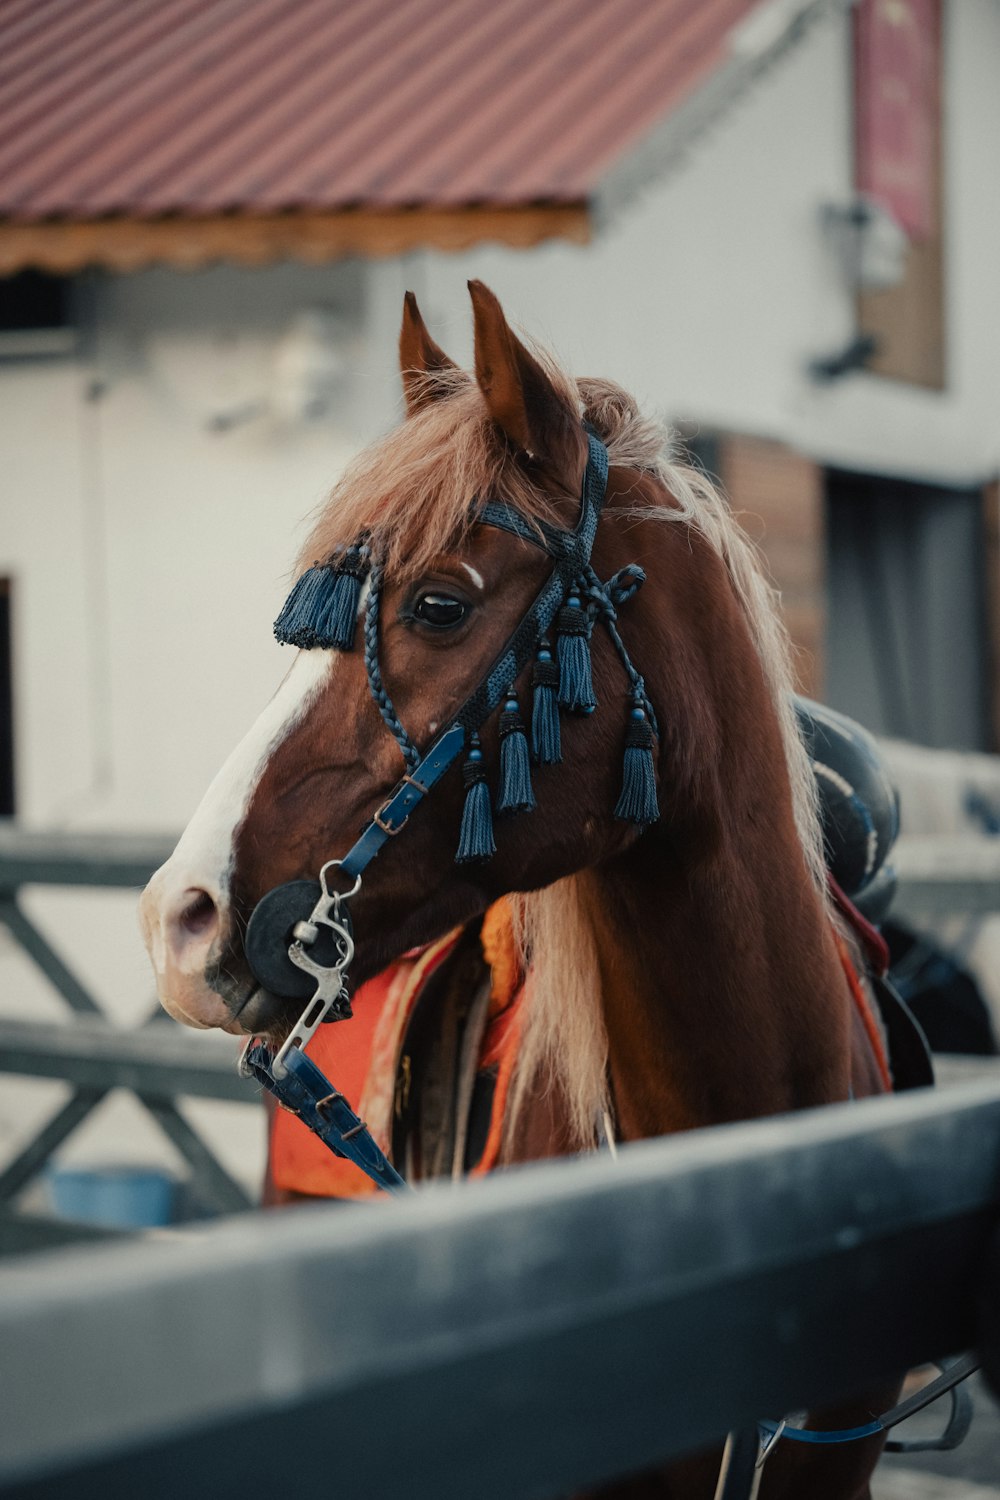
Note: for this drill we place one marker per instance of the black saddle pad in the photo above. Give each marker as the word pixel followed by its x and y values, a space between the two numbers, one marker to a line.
pixel 859 803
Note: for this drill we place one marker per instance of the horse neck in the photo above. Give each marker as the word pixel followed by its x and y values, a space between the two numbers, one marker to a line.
pixel 722 988
pixel 723 992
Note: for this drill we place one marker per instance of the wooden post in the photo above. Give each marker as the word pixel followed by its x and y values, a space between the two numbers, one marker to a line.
pixel 898 161
pixel 778 497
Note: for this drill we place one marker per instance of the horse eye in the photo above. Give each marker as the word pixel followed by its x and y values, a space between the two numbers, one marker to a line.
pixel 440 611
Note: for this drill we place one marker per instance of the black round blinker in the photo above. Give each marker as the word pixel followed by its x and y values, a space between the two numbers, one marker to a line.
pixel 270 931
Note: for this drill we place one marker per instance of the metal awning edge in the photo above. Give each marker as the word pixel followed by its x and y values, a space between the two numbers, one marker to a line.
pixel 64 246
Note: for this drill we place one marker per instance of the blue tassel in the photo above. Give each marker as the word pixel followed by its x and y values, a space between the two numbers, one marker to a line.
pixel 637 803
pixel 515 770
pixel 546 747
pixel 295 626
pixel 322 608
pixel 576 689
pixel 337 621
pixel 475 841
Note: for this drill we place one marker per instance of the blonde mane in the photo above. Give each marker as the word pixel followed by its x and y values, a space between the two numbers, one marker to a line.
pixel 564 1043
pixel 411 491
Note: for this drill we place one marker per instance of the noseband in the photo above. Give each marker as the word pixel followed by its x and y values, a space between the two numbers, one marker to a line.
pixel 299 941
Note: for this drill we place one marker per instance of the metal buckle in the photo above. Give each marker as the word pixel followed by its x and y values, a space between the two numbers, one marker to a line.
pixel 389 828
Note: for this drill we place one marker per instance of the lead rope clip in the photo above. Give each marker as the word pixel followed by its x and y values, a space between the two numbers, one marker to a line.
pixel 330 980
pixel 768 1440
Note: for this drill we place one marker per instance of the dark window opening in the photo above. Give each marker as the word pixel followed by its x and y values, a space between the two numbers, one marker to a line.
pixel 36 314
pixel 906 628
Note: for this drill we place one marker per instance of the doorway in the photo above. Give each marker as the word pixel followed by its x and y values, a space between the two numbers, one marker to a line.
pixel 906 649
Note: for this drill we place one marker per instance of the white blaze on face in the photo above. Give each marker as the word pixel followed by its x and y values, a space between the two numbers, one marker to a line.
pixel 206 844
pixel 202 861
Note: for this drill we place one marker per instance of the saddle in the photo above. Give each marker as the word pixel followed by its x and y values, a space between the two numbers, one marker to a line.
pixel 859 811
pixel 859 805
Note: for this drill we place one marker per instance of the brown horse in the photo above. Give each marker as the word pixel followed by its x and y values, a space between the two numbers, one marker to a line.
pixel 683 972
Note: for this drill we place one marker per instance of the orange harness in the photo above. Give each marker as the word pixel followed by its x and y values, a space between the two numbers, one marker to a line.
pixel 364 1057
pixel 861 1002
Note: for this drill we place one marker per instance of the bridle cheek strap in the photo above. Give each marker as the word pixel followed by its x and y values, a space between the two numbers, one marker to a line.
pixel 394 814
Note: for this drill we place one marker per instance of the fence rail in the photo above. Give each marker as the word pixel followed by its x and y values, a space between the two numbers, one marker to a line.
pixel 936 877
pixel 944 876
pixel 158 1060
pixel 159 1063
pixel 526 1335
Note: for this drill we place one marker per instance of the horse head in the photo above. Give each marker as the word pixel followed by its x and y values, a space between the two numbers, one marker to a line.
pixel 346 724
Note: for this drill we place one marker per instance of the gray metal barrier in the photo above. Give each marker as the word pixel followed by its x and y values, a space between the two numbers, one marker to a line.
pixel 522 1336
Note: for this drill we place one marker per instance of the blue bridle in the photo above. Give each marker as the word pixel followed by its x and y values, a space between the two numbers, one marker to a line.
pixel 287 922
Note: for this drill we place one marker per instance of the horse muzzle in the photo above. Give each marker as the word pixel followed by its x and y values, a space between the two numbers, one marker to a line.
pixel 184 930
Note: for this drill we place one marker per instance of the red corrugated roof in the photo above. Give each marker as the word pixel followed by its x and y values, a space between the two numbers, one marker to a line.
pixel 143 108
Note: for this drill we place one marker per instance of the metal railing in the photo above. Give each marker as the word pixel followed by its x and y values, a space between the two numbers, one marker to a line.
pixel 527 1335
pixel 548 1329
pixel 158 1062
pixel 943 877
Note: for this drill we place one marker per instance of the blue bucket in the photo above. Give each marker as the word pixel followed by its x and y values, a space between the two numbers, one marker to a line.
pixel 115 1197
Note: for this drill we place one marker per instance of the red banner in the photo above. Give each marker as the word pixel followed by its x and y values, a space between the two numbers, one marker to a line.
pixel 897 107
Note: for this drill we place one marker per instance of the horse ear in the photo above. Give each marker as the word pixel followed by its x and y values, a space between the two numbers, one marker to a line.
pixel 420 358
pixel 520 396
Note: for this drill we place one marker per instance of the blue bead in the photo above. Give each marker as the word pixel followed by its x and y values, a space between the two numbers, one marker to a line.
pixel 545 656
pixel 475 755
pixel 638 713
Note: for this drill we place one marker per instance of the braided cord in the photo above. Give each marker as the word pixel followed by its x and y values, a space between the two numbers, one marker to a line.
pixel 601 601
pixel 409 751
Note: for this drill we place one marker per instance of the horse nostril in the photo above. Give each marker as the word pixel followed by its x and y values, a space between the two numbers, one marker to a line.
pixel 199 915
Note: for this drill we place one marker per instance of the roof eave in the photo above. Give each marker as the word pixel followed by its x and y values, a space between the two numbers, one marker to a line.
pixel 184 242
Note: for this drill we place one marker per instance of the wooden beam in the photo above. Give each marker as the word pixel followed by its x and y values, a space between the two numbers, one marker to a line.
pixel 64 246
pixel 908 320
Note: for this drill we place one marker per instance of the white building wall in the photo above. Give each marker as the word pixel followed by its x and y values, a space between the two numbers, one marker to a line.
pixel 711 294
pixel 150 552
